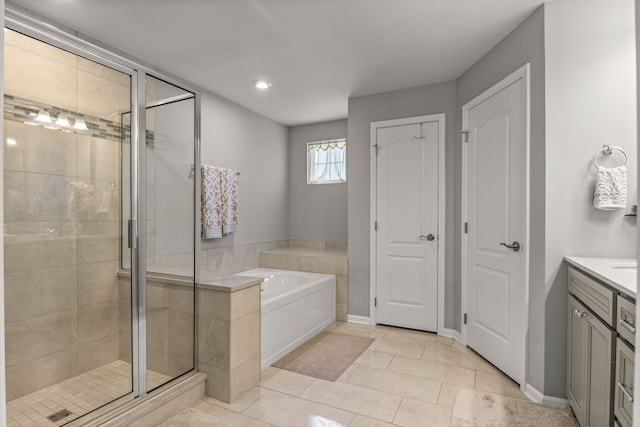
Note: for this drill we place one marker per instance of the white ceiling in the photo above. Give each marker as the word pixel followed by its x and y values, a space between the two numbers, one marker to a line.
pixel 317 53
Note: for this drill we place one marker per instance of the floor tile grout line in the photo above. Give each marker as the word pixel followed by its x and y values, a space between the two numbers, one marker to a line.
pixel 349 410
pixel 395 394
pixel 397 410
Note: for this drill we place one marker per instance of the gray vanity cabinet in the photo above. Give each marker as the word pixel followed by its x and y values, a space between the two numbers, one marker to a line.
pixel 624 384
pixel 601 326
pixel 590 344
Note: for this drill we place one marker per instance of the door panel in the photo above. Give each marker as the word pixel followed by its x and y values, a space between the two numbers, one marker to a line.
pixel 407 208
pixel 576 359
pixel 625 362
pixel 492 179
pixel 491 302
pixel 495 212
pixel 599 352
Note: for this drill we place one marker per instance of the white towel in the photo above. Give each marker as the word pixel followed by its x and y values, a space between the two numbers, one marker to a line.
pixel 611 188
pixel 219 202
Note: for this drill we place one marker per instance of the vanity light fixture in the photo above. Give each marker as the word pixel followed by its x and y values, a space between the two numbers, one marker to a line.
pixel 262 84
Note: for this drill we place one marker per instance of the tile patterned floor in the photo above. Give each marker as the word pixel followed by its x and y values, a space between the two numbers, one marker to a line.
pixel 405 378
pixel 80 395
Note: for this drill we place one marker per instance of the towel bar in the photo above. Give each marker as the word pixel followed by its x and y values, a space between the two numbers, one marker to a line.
pixel 193 169
pixel 607 149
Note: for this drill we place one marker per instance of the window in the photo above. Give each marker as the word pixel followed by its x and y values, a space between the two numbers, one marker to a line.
pixel 327 161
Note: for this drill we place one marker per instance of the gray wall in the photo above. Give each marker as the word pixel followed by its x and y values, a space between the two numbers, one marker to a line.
pixel 316 212
pixel 522 45
pixel 590 101
pixel 418 101
pixel 236 138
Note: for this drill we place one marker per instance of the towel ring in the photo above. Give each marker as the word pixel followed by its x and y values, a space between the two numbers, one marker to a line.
pixel 608 150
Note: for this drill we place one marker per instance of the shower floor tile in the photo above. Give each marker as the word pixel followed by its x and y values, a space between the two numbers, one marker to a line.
pixel 79 395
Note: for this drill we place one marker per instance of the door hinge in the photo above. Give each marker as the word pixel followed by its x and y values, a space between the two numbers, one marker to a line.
pixel 466 135
pixel 375 226
pixel 377 148
pixel 466 227
pixel 375 301
pixel 465 318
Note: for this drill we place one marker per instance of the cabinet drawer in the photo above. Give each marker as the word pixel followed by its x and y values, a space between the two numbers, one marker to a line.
pixel 626 324
pixel 624 384
pixel 595 296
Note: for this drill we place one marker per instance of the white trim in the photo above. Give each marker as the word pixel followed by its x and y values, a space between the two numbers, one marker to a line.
pixel 524 74
pixel 451 333
pixel 440 118
pixel 360 320
pixel 536 396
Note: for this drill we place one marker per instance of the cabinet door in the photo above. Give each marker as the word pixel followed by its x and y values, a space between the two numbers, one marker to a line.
pixel 576 359
pixel 599 352
pixel 624 384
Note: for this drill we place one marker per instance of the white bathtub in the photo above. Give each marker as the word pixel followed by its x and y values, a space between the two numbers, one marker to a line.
pixel 295 306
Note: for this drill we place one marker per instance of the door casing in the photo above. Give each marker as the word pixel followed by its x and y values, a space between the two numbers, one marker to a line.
pixel 521 73
pixel 440 118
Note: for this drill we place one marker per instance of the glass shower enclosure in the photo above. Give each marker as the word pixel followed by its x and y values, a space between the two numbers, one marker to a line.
pixel 99 230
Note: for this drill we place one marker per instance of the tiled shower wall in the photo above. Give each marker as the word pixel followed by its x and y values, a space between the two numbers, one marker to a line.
pixel 234 259
pixel 62 217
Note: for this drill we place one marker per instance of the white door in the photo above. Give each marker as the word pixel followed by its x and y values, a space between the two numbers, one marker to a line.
pixel 407 225
pixel 496 193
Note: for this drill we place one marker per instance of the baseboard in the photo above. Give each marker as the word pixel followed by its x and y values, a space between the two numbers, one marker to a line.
pixel 451 333
pixel 361 320
pixel 536 396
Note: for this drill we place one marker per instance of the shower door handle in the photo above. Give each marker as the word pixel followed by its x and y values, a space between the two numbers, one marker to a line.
pixel 129 233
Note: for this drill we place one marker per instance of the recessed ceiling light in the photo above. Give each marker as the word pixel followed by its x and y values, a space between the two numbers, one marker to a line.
pixel 12 141
pixel 262 84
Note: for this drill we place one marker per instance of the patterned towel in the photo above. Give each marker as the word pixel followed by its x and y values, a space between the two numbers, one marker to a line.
pixel 219 202
pixel 230 202
pixel 611 188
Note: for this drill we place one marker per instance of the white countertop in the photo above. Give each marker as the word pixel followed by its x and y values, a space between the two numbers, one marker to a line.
pixel 615 272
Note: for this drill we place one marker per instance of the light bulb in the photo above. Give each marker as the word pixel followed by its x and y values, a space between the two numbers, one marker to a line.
pixel 44 117
pixel 63 121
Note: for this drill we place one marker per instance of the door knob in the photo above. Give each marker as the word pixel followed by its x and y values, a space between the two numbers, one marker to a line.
pixel 430 237
pixel 515 246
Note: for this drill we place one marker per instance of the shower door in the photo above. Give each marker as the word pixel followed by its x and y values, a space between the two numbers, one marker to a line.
pixel 167 204
pixel 170 239
pixel 99 230
pixel 68 304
